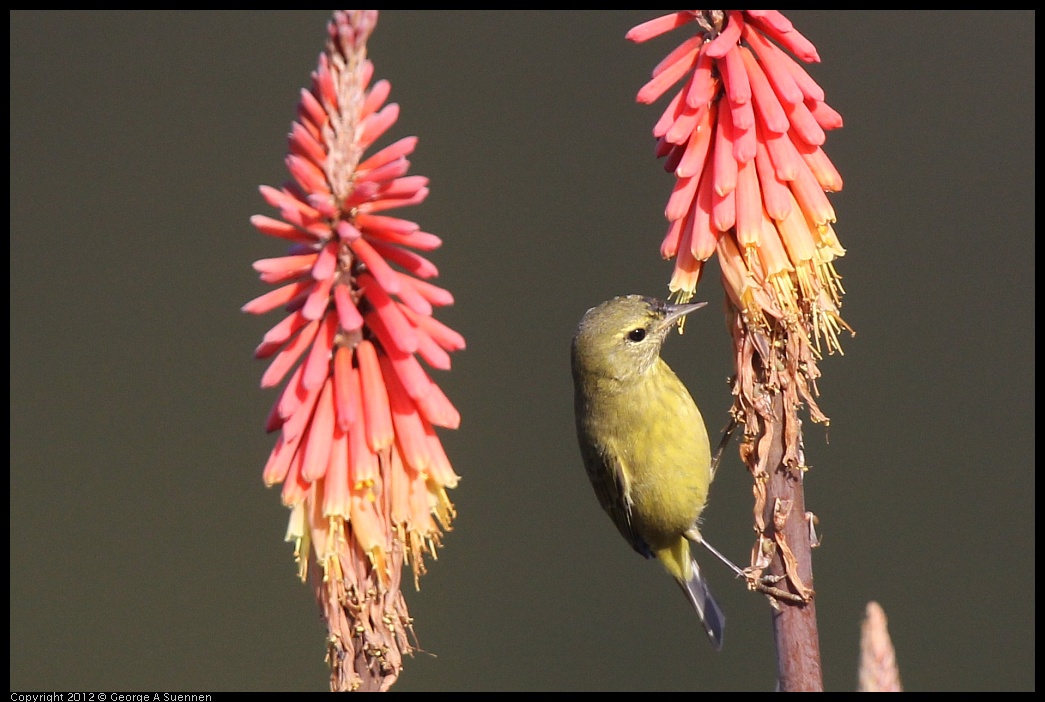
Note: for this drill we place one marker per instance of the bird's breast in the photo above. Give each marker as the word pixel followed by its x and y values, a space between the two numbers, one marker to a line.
pixel 657 435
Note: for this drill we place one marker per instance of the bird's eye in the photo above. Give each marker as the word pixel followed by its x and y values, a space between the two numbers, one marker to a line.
pixel 637 334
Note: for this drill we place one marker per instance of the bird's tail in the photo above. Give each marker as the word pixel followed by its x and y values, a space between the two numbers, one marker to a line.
pixel 682 566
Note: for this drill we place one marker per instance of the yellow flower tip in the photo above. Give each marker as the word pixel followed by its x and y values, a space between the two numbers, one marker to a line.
pixel 452 481
pixel 831 281
pixel 416 546
pixel 680 295
pixel 434 543
pixel 682 286
pixel 828 324
pixel 297 525
pixel 442 508
pixel 783 292
pixel 751 257
pixel 376 556
pixel 828 248
pixel 366 488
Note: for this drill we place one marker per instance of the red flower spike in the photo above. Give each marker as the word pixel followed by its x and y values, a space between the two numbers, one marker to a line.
pixel 374 225
pixel 347 232
pixel 751 176
pixel 288 266
pixel 358 312
pixel 826 174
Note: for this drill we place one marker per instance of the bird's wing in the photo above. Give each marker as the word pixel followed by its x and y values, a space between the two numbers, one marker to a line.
pixel 609 477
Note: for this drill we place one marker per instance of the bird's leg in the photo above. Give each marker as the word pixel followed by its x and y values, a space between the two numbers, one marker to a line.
pixel 727 434
pixel 693 535
pixel 766 584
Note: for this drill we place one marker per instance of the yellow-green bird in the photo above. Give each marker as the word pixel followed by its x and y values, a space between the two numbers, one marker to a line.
pixel 643 440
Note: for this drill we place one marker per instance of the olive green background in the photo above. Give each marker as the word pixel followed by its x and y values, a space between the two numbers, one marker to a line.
pixel 145 552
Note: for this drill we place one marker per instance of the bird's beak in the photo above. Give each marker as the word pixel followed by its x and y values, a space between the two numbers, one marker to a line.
pixel 675 312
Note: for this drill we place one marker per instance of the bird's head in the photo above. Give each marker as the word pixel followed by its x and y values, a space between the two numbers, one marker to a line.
pixel 621 338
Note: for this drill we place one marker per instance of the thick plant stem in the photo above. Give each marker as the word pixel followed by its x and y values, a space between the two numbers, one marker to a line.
pixel 794 623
